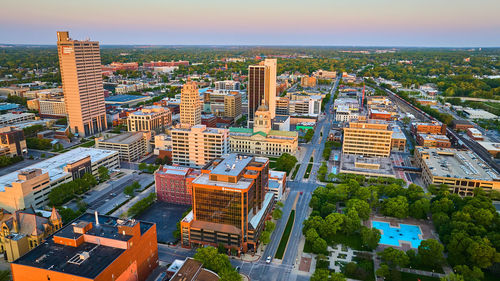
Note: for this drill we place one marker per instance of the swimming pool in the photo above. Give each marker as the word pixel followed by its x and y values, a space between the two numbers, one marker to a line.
pixel 394 235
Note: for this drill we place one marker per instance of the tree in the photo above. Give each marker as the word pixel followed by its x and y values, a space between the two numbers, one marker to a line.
pixel 383 270
pixel 319 246
pixel 474 274
pixel 396 207
pixel 270 226
pixel 309 135
pixel 311 235
pixel 103 173
pixel 420 208
pixel 265 237
pixel 452 277
pixel 286 162
pixel 143 166
pixel 370 237
pixel 394 258
pixel 333 222
pixel 277 213
pixel 482 254
pixel 430 252
pixel 362 207
pixel 320 274
pixel 352 222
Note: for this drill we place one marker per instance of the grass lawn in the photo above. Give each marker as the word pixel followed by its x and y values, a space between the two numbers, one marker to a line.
pixel 308 170
pixel 286 234
pixel 88 144
pixel 415 277
pixel 295 171
pixel 353 241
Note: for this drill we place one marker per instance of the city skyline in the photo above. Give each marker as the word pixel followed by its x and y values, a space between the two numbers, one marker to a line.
pixel 323 23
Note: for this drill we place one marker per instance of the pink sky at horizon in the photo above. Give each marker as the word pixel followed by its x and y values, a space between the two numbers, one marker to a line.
pixel 313 22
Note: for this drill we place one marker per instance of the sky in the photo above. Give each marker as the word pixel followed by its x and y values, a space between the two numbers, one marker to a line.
pixel 422 23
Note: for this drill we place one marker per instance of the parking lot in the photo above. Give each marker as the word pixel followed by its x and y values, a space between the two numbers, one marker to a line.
pixel 166 216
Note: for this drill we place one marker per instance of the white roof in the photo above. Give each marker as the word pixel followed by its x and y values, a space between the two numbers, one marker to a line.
pixel 55 165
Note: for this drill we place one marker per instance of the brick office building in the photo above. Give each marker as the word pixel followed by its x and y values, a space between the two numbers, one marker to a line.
pixel 99 248
pixel 173 184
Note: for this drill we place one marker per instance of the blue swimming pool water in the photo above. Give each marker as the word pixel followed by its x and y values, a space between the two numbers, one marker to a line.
pixel 392 235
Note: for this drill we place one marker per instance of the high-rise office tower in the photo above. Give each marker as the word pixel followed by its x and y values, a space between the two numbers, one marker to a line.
pixel 262 87
pixel 81 75
pixel 190 104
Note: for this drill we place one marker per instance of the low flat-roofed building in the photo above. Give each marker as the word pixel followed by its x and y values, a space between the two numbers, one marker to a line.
pixel 131 145
pixel 367 166
pixel 31 186
pixel 281 123
pixel 93 248
pixel 492 147
pixel 13 118
pixel 461 170
pixel 475 134
pixel 129 100
pixel 324 74
pixel 433 140
pixel 192 270
pixel 344 114
pixel 351 103
pixel 478 114
pixel 436 128
pixel 461 125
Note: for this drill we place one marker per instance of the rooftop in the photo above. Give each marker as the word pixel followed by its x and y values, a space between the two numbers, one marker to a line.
pixel 454 163
pixel 55 165
pixel 242 183
pixel 87 260
pixel 191 270
pixel 254 220
pixel 125 138
pixel 124 98
pixel 232 165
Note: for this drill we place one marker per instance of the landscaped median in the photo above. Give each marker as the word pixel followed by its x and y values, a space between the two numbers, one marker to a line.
pixel 280 252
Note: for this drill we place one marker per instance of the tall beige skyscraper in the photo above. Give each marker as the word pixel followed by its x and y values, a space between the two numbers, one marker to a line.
pixel 190 104
pixel 262 87
pixel 81 75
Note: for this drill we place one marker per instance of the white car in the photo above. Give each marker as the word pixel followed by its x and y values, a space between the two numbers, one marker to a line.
pixel 268 260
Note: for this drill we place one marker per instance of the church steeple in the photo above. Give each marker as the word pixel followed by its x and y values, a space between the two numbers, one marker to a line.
pixel 55 219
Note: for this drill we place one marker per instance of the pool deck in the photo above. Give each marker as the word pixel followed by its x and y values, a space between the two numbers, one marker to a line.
pixel 426 228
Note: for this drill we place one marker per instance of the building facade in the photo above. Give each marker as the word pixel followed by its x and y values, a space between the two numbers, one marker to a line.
pixel 190 104
pixel 81 75
pixel 93 248
pixel 150 118
pixel 32 185
pixel 227 85
pixel 131 146
pixel 232 105
pixel 307 81
pixel 230 203
pixel 198 145
pixel 24 230
pixel 52 108
pixel 261 140
pixel 12 142
pixel 367 139
pixel 262 87
pixel 173 184
pixel 461 170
